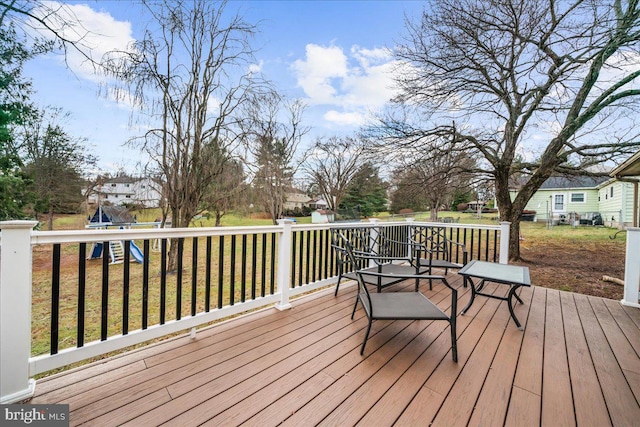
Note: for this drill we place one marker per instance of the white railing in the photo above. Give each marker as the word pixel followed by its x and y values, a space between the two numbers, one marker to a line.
pixel 17 239
pixel 632 269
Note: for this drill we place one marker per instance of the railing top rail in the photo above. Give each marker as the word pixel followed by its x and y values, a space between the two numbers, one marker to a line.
pixel 100 235
pixel 458 225
pixel 92 235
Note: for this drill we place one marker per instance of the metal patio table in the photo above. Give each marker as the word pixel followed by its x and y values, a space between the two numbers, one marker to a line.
pixel 513 275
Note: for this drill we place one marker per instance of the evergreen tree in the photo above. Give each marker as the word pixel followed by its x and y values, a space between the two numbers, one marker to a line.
pixel 366 192
pixel 15 108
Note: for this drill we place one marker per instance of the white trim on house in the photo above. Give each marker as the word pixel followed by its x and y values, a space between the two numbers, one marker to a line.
pixel 582 193
pixel 554 203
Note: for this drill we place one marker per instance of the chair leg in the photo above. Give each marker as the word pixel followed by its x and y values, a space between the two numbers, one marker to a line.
pixel 335 294
pixel 366 336
pixel 354 307
pixel 454 341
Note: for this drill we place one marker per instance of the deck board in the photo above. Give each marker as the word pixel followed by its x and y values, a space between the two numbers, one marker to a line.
pixel 491 406
pixel 577 361
pixel 557 398
pixel 589 402
pixel 621 403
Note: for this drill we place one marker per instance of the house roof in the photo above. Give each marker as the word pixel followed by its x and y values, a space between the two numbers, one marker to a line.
pixel 113 214
pixel 630 167
pixel 563 182
pixel 122 180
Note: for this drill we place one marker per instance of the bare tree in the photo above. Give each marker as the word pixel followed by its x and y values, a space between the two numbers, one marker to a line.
pixel 49 24
pixel 225 193
pixel 331 164
pixel 190 76
pixel 56 162
pixel 436 178
pixel 495 77
pixel 272 130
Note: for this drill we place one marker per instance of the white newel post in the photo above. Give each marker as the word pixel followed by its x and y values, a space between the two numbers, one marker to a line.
pixel 374 233
pixel 632 268
pixel 15 311
pixel 284 264
pixel 504 242
pixel 410 248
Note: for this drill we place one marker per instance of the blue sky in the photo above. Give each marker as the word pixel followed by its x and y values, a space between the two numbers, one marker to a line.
pixel 332 54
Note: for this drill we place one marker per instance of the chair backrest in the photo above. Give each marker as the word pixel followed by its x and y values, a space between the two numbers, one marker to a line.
pixel 356 237
pixel 365 240
pixel 345 253
pixel 433 240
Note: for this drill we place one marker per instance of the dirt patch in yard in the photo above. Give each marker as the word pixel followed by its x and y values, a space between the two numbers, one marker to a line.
pixel 576 266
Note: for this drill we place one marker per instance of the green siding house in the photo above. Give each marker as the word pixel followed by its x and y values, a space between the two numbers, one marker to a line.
pixel 615 198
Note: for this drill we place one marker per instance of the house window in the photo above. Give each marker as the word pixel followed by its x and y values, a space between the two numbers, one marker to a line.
pixel 578 197
pixel 611 191
pixel 558 202
pixel 126 185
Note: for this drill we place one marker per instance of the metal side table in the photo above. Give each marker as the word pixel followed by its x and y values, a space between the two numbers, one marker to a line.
pixel 513 275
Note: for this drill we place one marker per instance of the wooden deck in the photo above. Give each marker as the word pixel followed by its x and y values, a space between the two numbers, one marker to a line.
pixel 577 362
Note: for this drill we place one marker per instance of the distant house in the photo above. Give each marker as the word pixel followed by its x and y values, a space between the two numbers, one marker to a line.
pixel 474 205
pixel 317 204
pixel 126 190
pixel 295 199
pixel 629 173
pixel 615 197
pixel 322 216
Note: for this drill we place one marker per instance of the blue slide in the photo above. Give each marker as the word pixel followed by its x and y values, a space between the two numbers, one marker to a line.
pixel 97 251
pixel 136 253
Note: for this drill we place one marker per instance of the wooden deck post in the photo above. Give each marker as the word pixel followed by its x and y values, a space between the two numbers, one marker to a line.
pixel 632 269
pixel 504 242
pixel 284 264
pixel 15 311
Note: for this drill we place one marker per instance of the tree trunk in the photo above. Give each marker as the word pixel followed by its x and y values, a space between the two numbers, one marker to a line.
pixel 180 218
pixel 433 214
pixel 514 239
pixel 50 221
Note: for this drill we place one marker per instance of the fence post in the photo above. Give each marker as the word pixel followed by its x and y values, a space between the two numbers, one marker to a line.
pixel 15 311
pixel 410 227
pixel 632 269
pixel 374 234
pixel 284 264
pixel 504 242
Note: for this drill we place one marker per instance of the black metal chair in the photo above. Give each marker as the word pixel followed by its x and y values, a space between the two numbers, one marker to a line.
pixel 375 255
pixel 400 305
pixel 435 250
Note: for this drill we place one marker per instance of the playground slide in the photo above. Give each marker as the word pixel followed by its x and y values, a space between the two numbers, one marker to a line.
pixel 136 253
pixel 97 251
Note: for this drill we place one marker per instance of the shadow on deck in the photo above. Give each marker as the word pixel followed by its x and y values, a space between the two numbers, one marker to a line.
pixel 577 362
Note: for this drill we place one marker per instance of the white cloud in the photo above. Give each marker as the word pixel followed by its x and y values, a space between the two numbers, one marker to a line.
pixel 345 118
pixel 352 84
pixel 316 72
pixel 256 68
pixel 95 32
